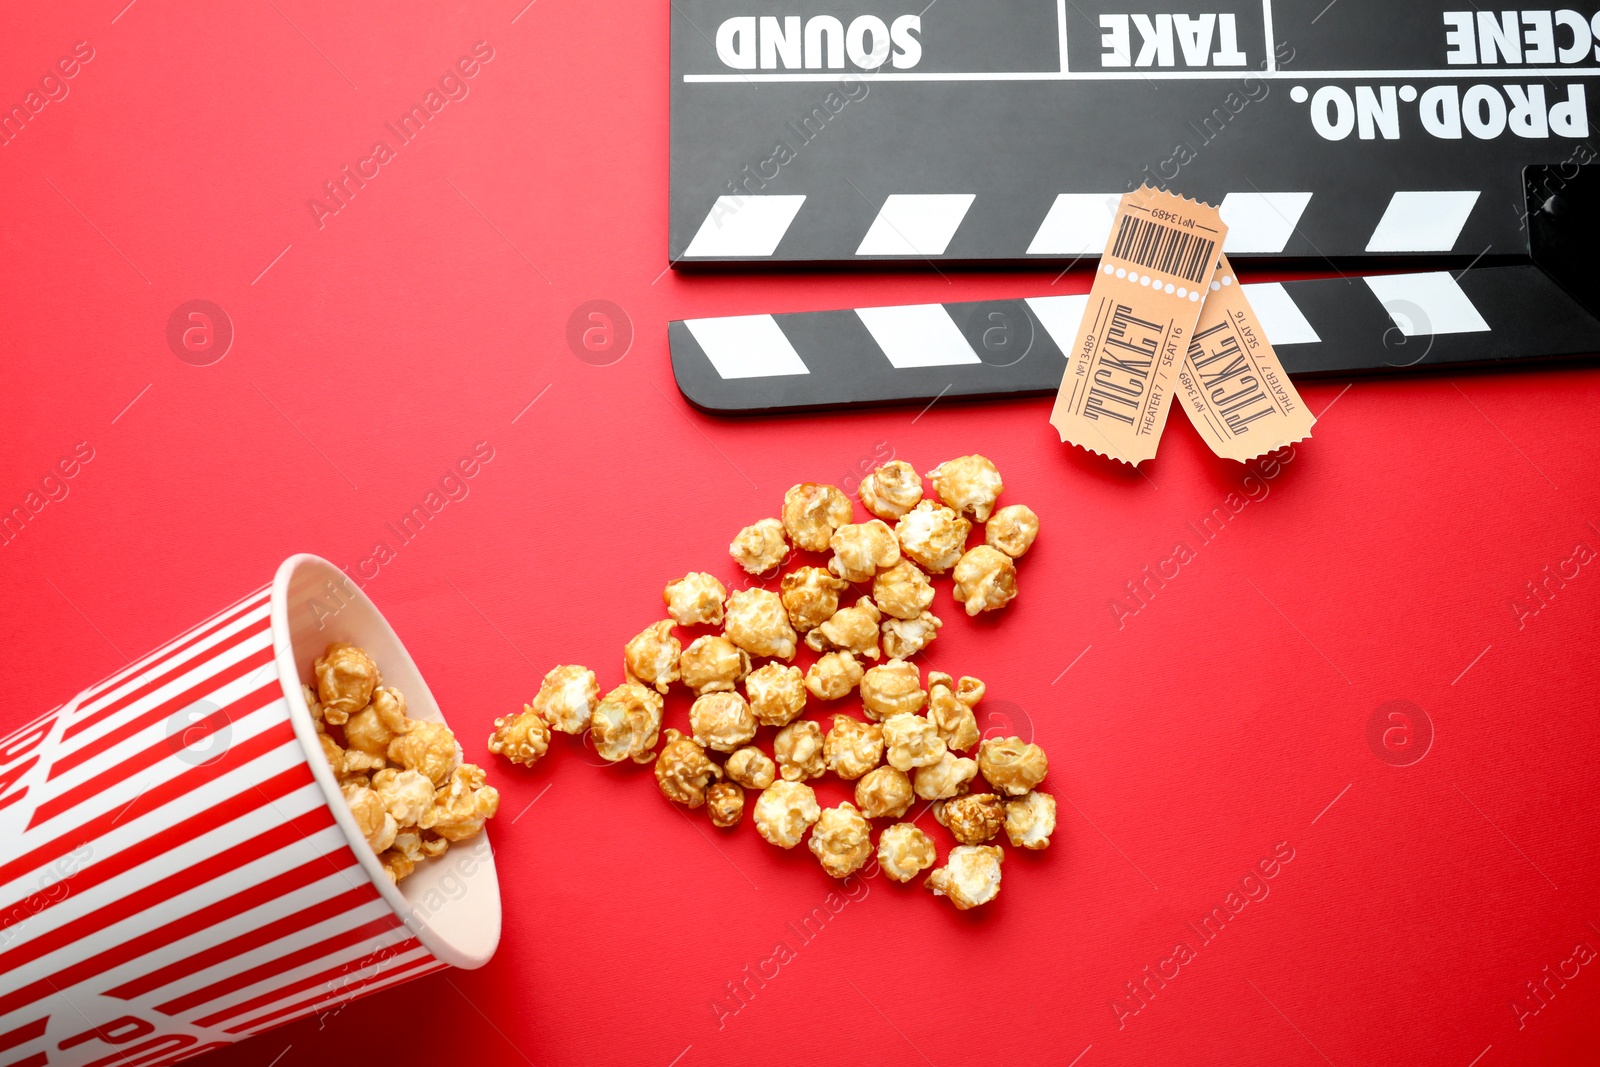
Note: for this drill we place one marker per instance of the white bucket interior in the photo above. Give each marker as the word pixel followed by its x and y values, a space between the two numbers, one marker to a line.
pixel 451 904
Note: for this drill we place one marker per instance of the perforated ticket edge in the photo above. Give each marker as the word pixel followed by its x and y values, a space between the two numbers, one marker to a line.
pixel 1290 420
pixel 1157 300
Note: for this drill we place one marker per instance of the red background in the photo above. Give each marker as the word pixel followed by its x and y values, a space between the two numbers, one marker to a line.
pixel 1220 720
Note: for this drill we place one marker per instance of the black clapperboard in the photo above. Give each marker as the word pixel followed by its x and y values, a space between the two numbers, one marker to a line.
pixel 1443 141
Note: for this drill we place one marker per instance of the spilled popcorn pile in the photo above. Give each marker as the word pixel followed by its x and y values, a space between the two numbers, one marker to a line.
pixel 403 779
pixel 908 745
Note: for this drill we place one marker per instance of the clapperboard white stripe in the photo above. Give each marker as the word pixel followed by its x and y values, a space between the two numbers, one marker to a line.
pixel 747 346
pixel 1279 315
pixel 915 224
pixel 1078 224
pixel 1423 221
pixel 917 335
pixel 1060 315
pixel 1330 326
pixel 744 226
pixel 1427 305
pixel 1261 222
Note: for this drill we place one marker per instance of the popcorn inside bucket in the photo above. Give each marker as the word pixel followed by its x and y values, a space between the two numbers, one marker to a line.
pixel 404 780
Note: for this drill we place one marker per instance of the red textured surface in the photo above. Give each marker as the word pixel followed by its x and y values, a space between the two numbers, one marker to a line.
pixel 1220 720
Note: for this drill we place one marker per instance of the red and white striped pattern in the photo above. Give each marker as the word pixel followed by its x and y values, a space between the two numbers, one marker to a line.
pixel 173 878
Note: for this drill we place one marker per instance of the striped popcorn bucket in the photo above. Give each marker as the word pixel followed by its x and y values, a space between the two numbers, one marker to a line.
pixel 178 869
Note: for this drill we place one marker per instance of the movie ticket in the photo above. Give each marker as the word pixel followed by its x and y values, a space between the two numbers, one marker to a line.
pixel 1158 265
pixel 1232 385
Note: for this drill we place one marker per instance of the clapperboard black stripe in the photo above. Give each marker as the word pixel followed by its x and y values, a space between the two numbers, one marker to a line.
pixel 1396 323
pixel 1376 129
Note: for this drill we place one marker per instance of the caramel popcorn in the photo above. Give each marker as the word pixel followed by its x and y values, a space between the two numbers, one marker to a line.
pixel 725 804
pixel 682 770
pixel 777 693
pixel 798 748
pixel 357 763
pixel 521 738
pixel 722 721
pixel 970 690
pixel 902 591
pixel 946 778
pixel 970 875
pixel 366 732
pixel 757 623
pixel 1012 530
pixel 833 675
pixel 567 697
pixel 967 484
pixel 862 549
pixel 408 842
pixel 429 748
pixel 904 851
pixel 405 794
pixel 852 630
pixel 389 705
pixel 985 580
pixel 760 547
pixel 333 754
pixel 841 840
pixel 904 638
pixel 374 726
pixel 695 600
pixel 883 793
pixel 812 512
pixel 932 536
pixel 652 657
pixel 397 865
pixel 891 490
pixel 1012 766
pixel 811 596
pixel 626 722
pixel 314 706
pixel 1031 820
pixel 372 818
pixel 892 688
pixel 950 709
pixel 912 741
pixel 973 818
pixel 784 811
pixel 751 768
pixel 852 747
pixel 910 747
pixel 460 808
pixel 712 664
pixel 346 677
pixel 409 849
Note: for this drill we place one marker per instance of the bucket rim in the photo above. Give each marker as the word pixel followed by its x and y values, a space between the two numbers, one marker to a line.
pixel 416 920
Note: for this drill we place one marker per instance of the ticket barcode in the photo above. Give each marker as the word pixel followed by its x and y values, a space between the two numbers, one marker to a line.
pixel 1162 248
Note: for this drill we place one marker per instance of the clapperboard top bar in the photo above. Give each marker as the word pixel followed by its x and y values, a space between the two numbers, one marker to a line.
pixel 1003 130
